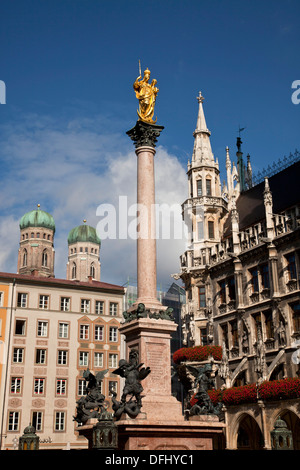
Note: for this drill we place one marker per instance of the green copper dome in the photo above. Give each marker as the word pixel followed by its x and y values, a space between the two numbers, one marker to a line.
pixel 83 233
pixel 37 218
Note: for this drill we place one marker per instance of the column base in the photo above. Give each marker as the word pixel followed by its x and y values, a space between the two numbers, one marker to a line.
pixel 150 304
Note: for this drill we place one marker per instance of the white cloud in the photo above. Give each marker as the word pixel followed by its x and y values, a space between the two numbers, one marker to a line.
pixel 71 167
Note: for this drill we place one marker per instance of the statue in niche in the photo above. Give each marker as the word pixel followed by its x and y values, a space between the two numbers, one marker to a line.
pixel 146 94
pixel 133 372
pixel 260 358
pixel 204 381
pixel 90 405
pixel 245 342
pixel 210 327
pixel 224 370
pixel 281 334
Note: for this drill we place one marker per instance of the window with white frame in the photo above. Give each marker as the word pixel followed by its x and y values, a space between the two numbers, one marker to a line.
pixel 13 420
pixel 62 357
pixel 98 359
pixel 39 386
pixel 65 304
pixel 100 385
pixel 81 390
pixel 16 385
pixel 113 386
pixel 113 309
pixel 18 355
pixel 85 306
pixel 40 356
pixel 99 332
pixel 83 358
pixel 1 298
pixel 113 360
pixel 37 420
pixel 22 300
pixel 20 327
pixel 42 329
pixel 61 387
pixel 63 330
pixel 84 331
pixel 99 307
pixel 113 334
pixel 60 418
pixel 44 301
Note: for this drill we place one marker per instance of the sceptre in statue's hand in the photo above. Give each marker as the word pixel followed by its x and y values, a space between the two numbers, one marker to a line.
pixel 146 94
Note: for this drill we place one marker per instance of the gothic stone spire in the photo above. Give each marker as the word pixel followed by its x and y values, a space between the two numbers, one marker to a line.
pixel 202 149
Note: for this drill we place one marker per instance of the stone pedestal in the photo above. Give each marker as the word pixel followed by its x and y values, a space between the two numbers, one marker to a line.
pixel 161 425
pixel 151 338
pixel 169 434
pixel 174 433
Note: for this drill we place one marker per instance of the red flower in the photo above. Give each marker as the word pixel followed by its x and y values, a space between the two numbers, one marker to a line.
pixel 280 389
pixel 268 390
pixel 197 353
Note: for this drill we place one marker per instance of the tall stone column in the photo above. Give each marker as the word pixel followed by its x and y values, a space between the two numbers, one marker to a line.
pixel 144 136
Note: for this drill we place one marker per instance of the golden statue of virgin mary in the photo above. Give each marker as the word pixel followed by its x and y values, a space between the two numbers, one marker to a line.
pixel 146 94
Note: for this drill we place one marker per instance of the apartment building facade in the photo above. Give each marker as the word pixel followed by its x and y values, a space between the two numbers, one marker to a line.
pixel 52 330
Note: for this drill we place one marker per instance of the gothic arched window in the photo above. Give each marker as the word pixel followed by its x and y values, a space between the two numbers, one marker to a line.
pixel 45 259
pixel 208 186
pixel 211 230
pixel 199 187
pixel 74 271
pixel 25 257
pixel 92 270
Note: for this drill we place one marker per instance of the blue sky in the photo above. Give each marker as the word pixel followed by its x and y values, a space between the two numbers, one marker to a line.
pixel 69 65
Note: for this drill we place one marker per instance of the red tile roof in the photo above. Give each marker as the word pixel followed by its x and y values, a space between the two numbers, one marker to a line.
pixel 61 282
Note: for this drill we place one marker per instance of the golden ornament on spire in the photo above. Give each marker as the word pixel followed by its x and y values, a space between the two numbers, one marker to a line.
pixel 146 94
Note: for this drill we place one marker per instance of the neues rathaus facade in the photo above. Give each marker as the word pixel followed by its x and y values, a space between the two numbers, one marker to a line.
pixel 241 266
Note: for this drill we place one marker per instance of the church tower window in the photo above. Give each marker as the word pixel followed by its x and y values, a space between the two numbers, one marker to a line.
pixel 202 299
pixel 92 270
pixel 74 271
pixel 199 187
pixel 208 186
pixel 25 257
pixel 44 259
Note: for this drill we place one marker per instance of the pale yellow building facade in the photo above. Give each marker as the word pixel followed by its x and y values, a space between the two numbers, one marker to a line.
pixel 55 330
